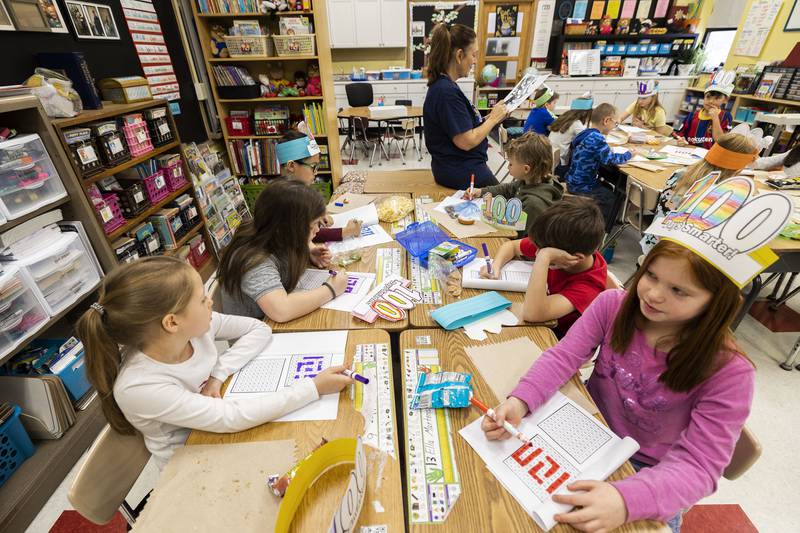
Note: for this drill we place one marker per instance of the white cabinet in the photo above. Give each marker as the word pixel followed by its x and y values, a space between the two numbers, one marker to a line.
pixel 367 23
pixel 414 90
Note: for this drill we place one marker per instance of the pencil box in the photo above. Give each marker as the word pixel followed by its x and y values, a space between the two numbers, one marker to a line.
pixel 465 312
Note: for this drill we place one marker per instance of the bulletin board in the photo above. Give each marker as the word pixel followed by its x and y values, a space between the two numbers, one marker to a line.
pixel 425 15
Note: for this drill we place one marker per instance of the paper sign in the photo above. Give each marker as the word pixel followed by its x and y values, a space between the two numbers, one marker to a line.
pixel 727 225
pixel 389 300
pixel 524 89
pixel 346 516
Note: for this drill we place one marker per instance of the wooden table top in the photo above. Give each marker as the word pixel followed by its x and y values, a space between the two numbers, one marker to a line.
pixel 420 316
pixel 363 112
pixel 408 181
pixel 322 499
pixel 441 195
pixel 330 319
pixel 484 505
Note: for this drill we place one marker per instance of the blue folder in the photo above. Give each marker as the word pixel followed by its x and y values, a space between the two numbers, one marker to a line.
pixel 467 311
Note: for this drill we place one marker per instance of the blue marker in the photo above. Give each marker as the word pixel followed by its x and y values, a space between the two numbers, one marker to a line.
pixel 338 204
pixel 486 256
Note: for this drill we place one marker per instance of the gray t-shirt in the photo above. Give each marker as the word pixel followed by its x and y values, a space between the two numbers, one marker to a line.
pixel 258 281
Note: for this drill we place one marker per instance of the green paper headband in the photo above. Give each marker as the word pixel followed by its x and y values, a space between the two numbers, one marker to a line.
pixel 548 94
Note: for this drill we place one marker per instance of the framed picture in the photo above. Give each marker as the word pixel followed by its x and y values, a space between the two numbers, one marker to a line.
pixel 793 22
pixel 34 15
pixel 6 23
pixel 92 21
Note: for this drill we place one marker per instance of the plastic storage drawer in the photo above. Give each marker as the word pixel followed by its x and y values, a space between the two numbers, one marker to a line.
pixel 21 309
pixel 28 179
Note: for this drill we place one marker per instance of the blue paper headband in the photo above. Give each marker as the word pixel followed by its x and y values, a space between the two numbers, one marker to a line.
pixel 296 149
pixel 582 104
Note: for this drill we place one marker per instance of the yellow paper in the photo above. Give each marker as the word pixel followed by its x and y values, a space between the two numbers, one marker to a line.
pixel 613 9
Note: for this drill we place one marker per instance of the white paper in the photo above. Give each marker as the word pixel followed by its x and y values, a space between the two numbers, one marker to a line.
pixel 584 62
pixel 367 214
pixel 693 152
pixel 569 443
pixel 631 129
pixel 492 323
pixel 757 26
pixel 531 81
pixel 358 286
pixel 370 236
pixel 619 150
pixel 289 358
pixel 514 276
pixel 542 29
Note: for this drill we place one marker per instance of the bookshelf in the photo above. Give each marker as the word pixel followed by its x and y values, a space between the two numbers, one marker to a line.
pixel 261 64
pixel 109 111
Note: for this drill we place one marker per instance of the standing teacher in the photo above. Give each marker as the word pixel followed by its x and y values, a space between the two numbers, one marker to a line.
pixel 455 133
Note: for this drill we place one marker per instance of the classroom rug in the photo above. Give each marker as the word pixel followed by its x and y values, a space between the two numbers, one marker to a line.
pixel 781 320
pixel 72 522
pixel 729 518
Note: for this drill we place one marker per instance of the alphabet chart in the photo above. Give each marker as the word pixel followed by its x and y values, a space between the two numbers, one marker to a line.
pixel 374 400
pixel 289 359
pixel 433 481
pixel 387 264
pixel 419 211
pixel 422 281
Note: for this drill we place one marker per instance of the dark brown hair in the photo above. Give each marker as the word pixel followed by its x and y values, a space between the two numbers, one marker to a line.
pixel 282 219
pixel 695 355
pixel 565 120
pixel 535 151
pixel 445 42
pixel 601 112
pixel 135 298
pixel 573 224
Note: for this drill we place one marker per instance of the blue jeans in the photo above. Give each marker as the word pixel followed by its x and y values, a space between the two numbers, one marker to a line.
pixel 674 523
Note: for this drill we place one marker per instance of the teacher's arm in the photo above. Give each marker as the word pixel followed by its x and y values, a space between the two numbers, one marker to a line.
pixel 470 139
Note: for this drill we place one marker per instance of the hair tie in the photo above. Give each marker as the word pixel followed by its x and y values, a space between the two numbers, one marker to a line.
pixel 99 308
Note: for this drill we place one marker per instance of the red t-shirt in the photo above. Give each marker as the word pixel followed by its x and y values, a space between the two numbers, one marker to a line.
pixel 580 288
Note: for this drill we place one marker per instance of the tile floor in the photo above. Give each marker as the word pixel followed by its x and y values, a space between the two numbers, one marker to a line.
pixel 764 492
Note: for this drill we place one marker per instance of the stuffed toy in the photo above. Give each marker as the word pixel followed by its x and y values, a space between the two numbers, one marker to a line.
pixel 314 83
pixel 276 76
pixel 300 82
pixel 605 26
pixel 218 46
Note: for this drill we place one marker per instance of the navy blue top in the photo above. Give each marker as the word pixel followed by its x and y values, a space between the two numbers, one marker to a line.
pixel 538 120
pixel 447 113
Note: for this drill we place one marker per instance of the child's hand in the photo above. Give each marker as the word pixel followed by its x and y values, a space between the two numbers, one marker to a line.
pixel 476 193
pixel 599 509
pixel 327 221
pixel 352 229
pixel 339 282
pixel 212 388
pixel 485 273
pixel 635 121
pixel 320 255
pixel 558 259
pixel 513 409
pixel 331 380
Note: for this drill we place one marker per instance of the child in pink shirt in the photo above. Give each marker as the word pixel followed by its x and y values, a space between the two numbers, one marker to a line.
pixel 668 374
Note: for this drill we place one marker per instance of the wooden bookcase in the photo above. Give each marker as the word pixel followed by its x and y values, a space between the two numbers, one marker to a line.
pixel 110 111
pixel 260 65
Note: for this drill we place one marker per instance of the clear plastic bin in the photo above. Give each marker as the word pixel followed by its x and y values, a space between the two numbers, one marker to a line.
pixel 21 310
pixel 28 179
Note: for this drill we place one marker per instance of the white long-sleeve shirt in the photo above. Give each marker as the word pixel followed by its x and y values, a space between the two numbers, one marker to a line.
pixel 766 163
pixel 561 141
pixel 164 403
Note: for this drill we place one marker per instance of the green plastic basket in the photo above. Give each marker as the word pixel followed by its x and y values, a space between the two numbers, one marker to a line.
pixel 252 191
pixel 324 188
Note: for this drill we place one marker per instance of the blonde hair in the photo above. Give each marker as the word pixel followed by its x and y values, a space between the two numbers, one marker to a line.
pixel 535 151
pixel 134 298
pixel 735 142
pixel 644 112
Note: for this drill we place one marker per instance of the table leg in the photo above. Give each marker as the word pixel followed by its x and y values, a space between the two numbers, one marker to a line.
pixel 779 128
pixel 792 357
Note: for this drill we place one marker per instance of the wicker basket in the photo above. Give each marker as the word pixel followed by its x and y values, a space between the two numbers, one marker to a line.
pixel 249 45
pixel 294 45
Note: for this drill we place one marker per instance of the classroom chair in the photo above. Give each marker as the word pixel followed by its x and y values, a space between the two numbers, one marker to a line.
pixel 405 134
pixel 359 94
pixel 112 466
pixel 502 137
pixel 367 139
pixel 745 454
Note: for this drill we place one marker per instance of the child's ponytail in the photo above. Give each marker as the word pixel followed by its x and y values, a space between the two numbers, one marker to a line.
pixel 445 41
pixel 133 300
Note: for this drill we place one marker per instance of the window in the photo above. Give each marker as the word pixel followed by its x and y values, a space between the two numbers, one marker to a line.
pixel 717 43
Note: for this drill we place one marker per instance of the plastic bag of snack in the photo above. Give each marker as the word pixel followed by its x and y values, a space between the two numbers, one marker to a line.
pixel 394 208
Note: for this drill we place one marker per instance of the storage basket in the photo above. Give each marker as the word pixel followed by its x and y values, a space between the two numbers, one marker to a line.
pixel 83 151
pixel 238 126
pixel 158 126
pixel 294 45
pixel 155 186
pixel 110 213
pixel 174 175
pixel 137 137
pixel 251 192
pixel 111 143
pixel 15 446
pixel 198 253
pixel 132 198
pixel 249 45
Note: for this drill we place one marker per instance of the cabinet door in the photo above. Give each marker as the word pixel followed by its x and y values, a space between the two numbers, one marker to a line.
pixel 368 28
pixel 393 23
pixel 341 23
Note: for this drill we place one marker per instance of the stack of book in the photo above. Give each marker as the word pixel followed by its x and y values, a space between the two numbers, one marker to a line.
pixel 232 76
pixel 314 116
pixel 255 157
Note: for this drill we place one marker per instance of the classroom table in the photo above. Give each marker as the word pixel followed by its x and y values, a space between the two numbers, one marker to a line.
pixel 349 113
pixel 399 181
pixel 327 319
pixel 322 499
pixel 441 195
pixel 420 316
pixel 484 505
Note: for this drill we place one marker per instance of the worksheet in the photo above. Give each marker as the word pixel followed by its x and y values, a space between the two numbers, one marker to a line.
pixel 358 286
pixel 291 357
pixel 367 214
pixel 565 444
pixel 370 236
pixel 514 276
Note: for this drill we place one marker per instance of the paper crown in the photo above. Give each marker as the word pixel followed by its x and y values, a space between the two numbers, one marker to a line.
pixel 548 94
pixel 583 103
pixel 756 135
pixel 297 149
pixel 722 82
pixel 647 88
pixel 728 225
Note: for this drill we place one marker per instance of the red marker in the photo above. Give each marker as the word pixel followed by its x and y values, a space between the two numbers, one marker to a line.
pixel 471 184
pixel 491 414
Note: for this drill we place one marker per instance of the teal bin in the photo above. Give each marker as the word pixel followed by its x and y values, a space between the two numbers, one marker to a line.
pixel 15 446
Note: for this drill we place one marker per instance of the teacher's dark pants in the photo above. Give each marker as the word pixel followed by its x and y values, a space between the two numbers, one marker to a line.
pixel 447 175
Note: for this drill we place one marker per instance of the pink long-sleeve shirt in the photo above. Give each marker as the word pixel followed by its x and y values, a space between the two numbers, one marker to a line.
pixel 689 437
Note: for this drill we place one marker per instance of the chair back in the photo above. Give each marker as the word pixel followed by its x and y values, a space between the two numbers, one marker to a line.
pixel 747 452
pixel 407 103
pixel 112 466
pixel 556 158
pixel 359 94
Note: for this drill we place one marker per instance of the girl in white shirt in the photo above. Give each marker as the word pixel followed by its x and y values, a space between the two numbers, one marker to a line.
pixel 564 129
pixel 790 161
pixel 150 354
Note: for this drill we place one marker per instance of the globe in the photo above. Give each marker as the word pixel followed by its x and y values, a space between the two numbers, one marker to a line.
pixel 490 73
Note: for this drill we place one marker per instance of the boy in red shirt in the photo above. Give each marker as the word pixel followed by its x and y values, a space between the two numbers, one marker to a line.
pixel 568 270
pixel 704 126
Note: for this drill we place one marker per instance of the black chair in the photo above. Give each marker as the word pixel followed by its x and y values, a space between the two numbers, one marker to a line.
pixel 358 94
